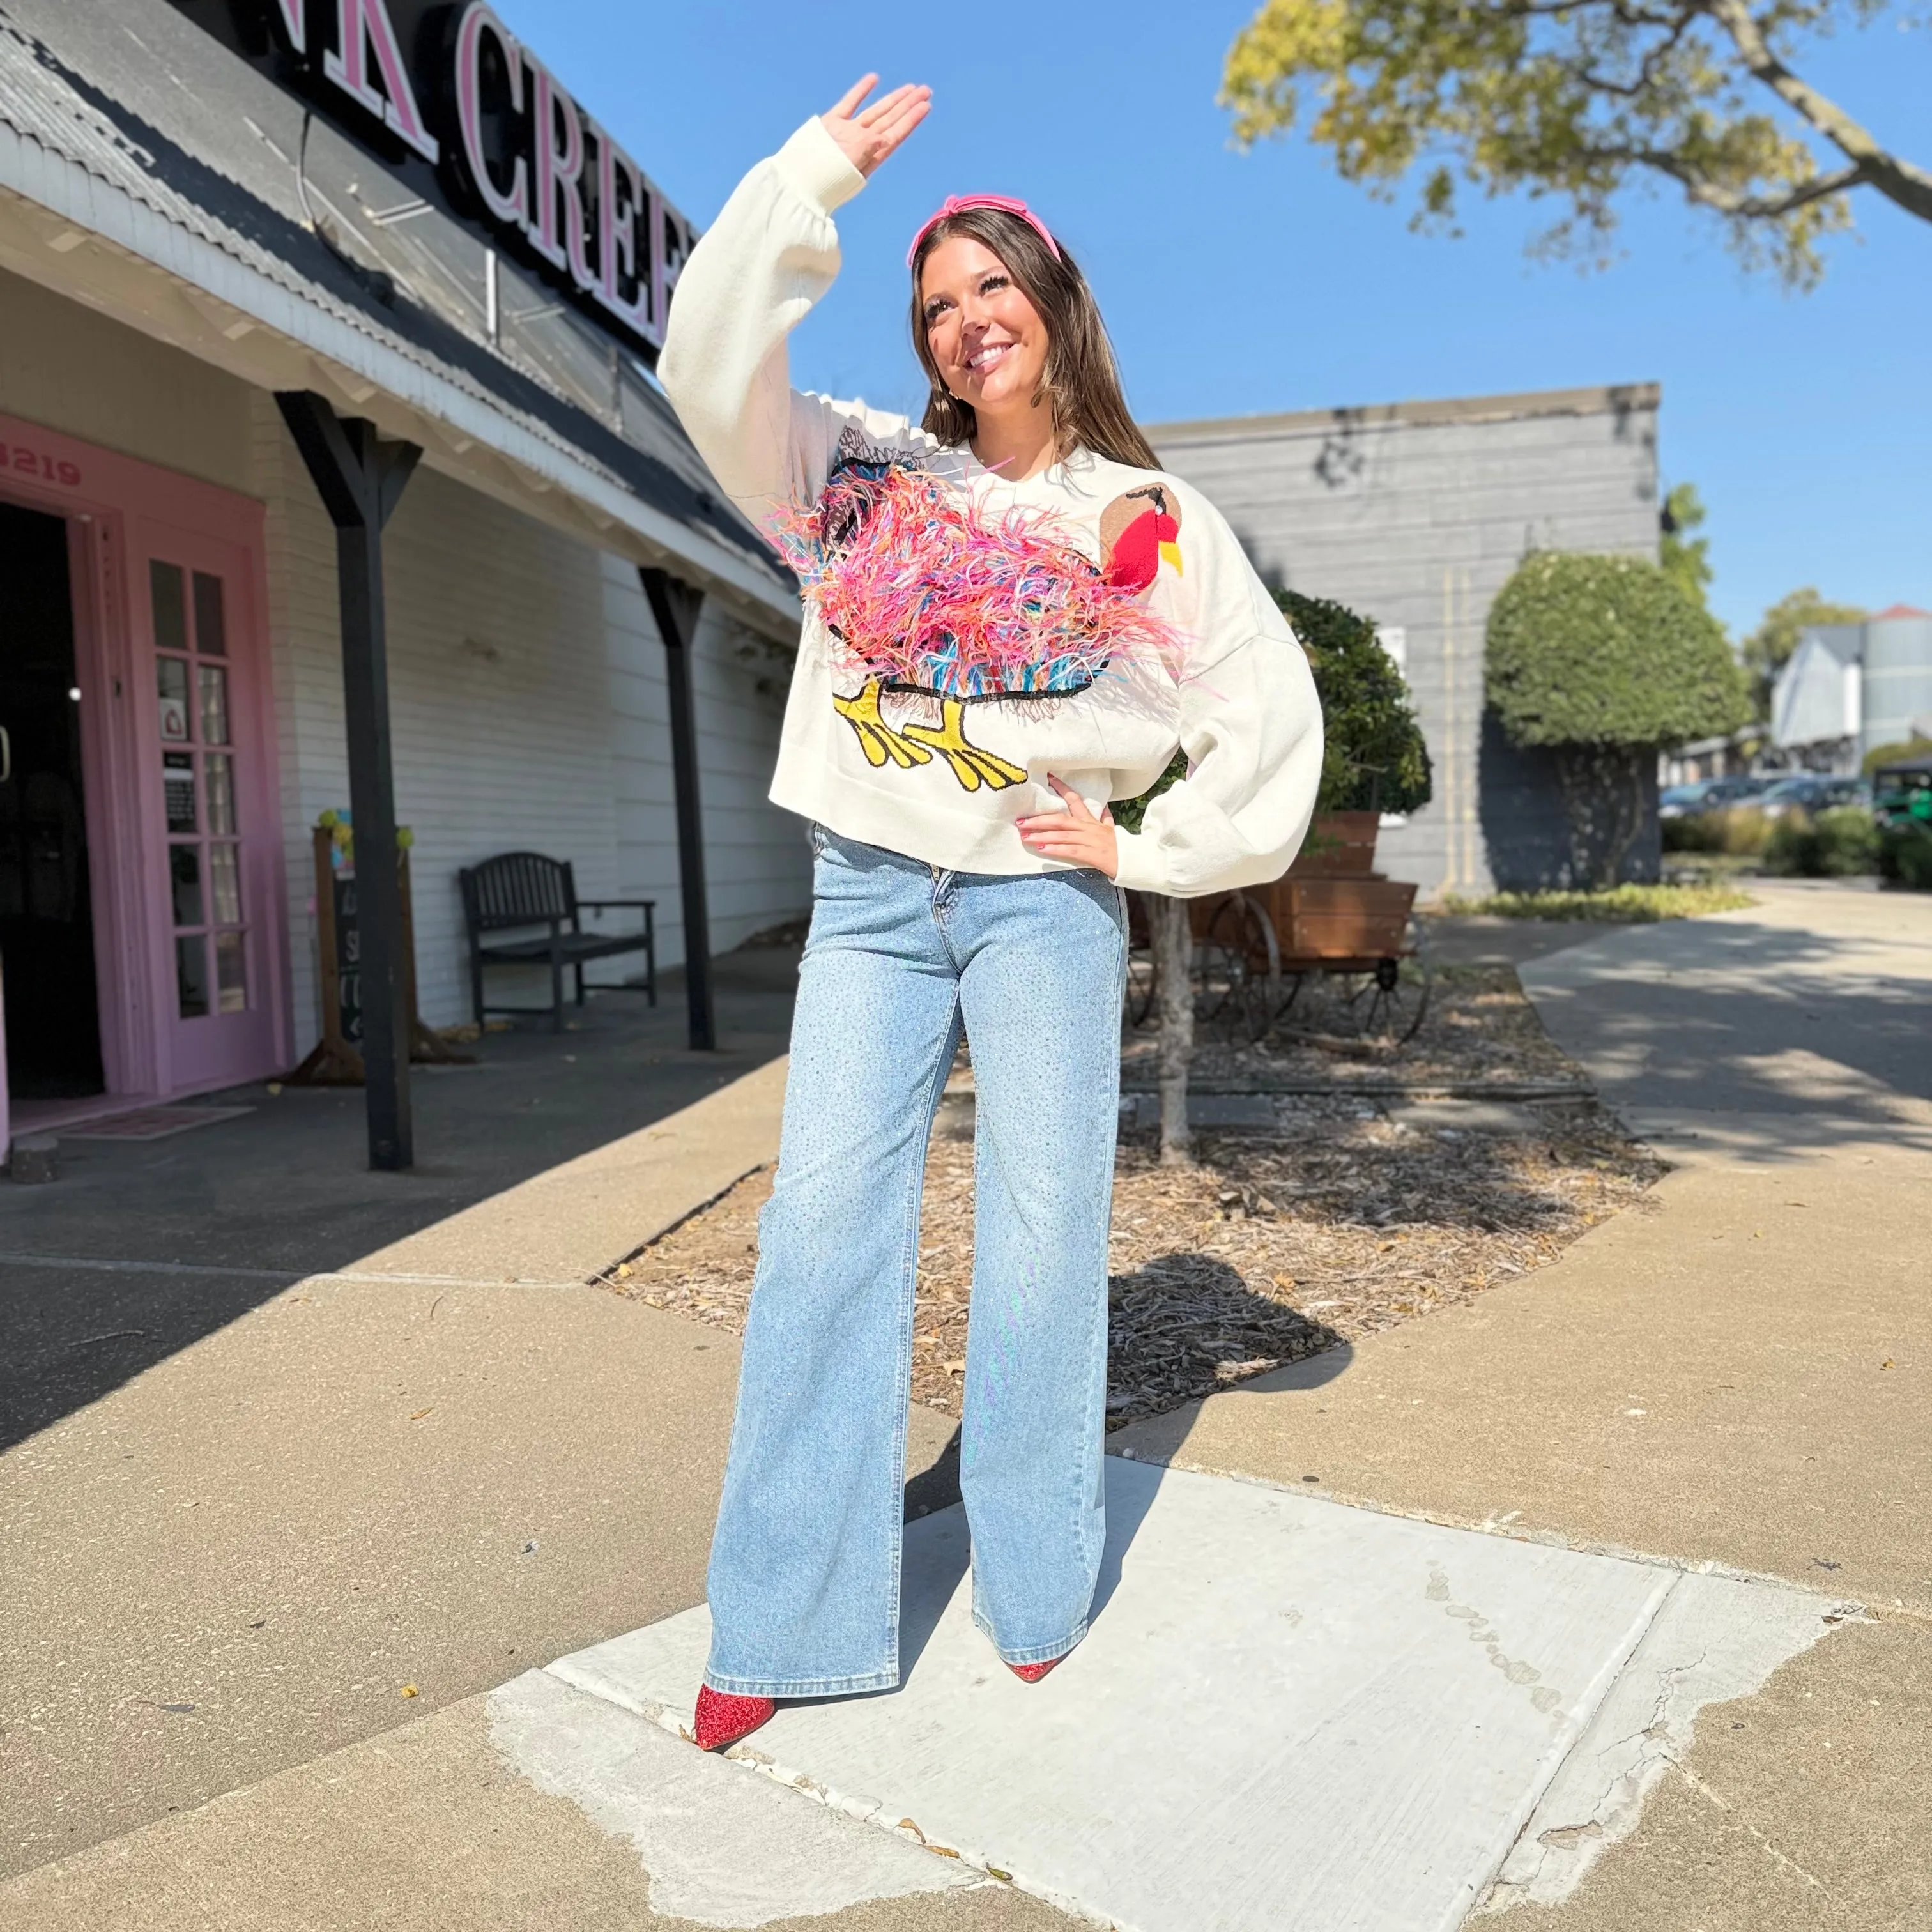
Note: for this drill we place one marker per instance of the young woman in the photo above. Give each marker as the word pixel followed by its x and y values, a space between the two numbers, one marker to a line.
pixel 1013 616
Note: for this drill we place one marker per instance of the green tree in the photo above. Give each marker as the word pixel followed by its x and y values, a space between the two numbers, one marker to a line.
pixel 1604 660
pixel 1769 648
pixel 1685 560
pixel 1580 101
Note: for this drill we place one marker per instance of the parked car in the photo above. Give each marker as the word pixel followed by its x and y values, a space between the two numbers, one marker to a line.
pixel 1813 792
pixel 1686 801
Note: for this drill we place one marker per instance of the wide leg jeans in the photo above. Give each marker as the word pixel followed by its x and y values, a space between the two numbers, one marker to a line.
pixel 804 1580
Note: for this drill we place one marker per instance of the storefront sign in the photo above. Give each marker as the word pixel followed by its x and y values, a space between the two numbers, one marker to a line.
pixel 465 115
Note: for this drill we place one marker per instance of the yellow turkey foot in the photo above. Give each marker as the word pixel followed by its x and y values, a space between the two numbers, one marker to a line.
pixel 971 765
pixel 877 739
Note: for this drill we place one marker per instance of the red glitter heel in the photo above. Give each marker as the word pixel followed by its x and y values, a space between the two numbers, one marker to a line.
pixel 721 1720
pixel 1031 1673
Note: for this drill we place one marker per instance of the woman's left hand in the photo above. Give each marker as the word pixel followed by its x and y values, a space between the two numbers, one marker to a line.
pixel 1074 835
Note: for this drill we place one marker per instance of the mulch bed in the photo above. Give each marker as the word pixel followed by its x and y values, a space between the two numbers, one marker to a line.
pixel 1273 1245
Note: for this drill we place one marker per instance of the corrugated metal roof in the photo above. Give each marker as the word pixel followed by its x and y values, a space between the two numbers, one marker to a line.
pixel 156 110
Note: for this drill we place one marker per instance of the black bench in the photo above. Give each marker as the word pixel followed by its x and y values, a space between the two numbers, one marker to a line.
pixel 517 890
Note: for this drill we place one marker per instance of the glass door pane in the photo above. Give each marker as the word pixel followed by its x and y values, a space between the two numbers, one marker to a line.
pixel 206 898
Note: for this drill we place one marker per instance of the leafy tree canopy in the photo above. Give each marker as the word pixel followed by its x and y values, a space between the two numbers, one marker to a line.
pixel 1769 648
pixel 1685 560
pixel 1898 754
pixel 1579 100
pixel 1607 651
pixel 1374 758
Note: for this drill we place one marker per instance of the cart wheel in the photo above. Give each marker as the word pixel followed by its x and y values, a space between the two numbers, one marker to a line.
pixel 1388 1004
pixel 1241 980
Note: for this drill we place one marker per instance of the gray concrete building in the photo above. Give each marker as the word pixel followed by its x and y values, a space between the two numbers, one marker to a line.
pixel 1415 514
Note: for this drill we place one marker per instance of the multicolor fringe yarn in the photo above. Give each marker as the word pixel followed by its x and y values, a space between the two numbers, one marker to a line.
pixel 918 585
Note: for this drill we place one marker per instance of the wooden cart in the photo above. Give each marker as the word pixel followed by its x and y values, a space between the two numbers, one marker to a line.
pixel 1329 932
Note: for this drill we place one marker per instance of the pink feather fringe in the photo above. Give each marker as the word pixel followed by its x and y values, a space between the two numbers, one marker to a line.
pixel 929 591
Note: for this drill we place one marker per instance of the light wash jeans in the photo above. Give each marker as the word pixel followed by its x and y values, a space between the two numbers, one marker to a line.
pixel 805 1565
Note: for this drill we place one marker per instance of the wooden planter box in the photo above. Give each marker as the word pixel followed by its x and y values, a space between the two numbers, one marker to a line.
pixel 1341 845
pixel 1325 919
pixel 1342 919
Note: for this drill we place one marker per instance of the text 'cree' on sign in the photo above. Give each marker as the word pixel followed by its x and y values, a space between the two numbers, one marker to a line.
pixel 464 115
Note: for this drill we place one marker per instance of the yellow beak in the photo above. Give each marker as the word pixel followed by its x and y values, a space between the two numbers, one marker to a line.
pixel 1170 553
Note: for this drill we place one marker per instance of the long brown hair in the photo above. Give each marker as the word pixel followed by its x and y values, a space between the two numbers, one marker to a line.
pixel 1081 381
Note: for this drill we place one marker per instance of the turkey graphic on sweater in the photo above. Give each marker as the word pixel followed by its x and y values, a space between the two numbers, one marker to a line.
pixel 925 599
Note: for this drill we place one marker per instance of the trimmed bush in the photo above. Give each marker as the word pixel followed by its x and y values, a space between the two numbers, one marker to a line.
pixel 1840 843
pixel 1607 650
pixel 1905 856
pixel 1604 660
pixel 1375 759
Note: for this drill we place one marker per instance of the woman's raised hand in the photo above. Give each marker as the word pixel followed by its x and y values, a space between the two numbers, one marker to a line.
pixel 868 136
pixel 1074 836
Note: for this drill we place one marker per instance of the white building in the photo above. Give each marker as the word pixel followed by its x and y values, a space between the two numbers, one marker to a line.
pixel 188 233
pixel 1848 688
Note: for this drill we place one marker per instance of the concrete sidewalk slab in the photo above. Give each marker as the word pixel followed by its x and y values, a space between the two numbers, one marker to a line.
pixel 1741 1375
pixel 237 1561
pixel 570 1221
pixel 1287 1712
pixel 1804 1003
pixel 426 1829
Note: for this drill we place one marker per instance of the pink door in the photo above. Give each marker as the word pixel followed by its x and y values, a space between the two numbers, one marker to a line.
pixel 213 839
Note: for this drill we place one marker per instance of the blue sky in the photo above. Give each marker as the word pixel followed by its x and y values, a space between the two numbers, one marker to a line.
pixel 1235 284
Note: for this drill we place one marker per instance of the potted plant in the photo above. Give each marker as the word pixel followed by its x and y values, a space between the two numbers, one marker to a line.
pixel 1374 759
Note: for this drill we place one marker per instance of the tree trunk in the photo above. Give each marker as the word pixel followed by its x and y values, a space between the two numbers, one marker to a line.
pixel 1173 938
pixel 1603 798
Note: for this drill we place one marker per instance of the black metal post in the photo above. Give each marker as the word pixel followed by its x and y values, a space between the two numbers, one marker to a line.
pixel 360 478
pixel 675 605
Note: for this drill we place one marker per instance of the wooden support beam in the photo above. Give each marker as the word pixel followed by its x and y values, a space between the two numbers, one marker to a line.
pixel 675 606
pixel 360 478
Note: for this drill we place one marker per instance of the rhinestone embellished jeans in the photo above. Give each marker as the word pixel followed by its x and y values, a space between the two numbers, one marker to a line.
pixel 805 1565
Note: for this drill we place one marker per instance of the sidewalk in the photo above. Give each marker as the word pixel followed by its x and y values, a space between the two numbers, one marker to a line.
pixel 1742 1379
pixel 1578 1458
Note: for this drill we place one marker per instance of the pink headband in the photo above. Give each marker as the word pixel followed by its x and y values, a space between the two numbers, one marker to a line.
pixel 958 204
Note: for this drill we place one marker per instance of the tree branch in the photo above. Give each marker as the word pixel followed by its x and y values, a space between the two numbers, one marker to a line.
pixel 1898 180
pixel 1755 207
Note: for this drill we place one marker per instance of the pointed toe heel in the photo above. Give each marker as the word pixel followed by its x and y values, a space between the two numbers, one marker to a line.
pixel 720 1719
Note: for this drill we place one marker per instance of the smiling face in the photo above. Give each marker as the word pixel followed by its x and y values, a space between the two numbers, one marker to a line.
pixel 985 337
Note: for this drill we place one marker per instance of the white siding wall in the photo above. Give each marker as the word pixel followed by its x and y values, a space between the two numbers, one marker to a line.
pixel 527 679
pixel 527 696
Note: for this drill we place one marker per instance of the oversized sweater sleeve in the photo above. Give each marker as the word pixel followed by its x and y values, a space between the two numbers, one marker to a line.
pixel 1250 724
pixel 772 252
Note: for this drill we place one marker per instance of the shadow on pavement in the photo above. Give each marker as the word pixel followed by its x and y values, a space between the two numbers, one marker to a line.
pixel 141 1248
pixel 1823 1031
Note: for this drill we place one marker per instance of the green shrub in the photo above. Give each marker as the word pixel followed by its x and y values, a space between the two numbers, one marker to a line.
pixel 1737 831
pixel 1607 650
pixel 1620 905
pixel 1905 856
pixel 1895 754
pixel 1374 758
pixel 1603 660
pixel 1838 844
pixel 1690 833
pixel 1128 812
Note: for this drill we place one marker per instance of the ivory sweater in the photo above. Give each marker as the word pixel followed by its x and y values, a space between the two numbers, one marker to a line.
pixel 928 765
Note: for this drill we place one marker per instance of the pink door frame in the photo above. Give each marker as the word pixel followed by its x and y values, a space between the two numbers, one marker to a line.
pixel 120 511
